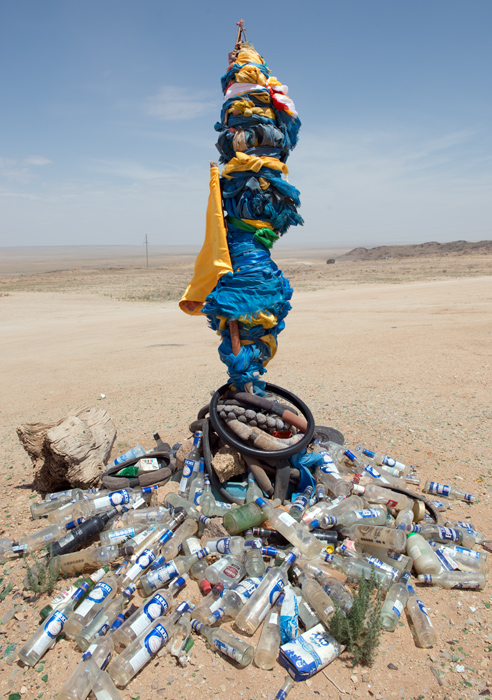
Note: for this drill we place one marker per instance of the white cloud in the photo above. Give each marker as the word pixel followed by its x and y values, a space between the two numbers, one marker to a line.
pixel 36 160
pixel 177 103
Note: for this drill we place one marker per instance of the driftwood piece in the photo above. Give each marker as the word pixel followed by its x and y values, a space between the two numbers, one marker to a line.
pixel 72 451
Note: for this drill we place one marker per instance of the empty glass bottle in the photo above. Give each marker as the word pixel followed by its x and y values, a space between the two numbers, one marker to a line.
pixel 60 600
pixel 198 484
pixel 424 630
pixel 157 578
pixel 447 491
pixel 378 535
pixel 101 684
pixel 253 491
pixel 423 556
pixel 456 579
pixel 232 600
pixel 300 504
pixel 305 542
pixel 316 596
pixel 105 590
pixel 371 516
pixel 240 519
pixel 191 465
pixel 226 643
pixel 268 645
pixel 78 685
pixel 227 570
pixel 103 619
pixel 394 603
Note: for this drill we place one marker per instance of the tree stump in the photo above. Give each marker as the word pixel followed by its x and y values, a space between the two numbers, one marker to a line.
pixel 72 451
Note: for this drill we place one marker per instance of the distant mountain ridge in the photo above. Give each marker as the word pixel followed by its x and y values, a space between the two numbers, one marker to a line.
pixel 431 249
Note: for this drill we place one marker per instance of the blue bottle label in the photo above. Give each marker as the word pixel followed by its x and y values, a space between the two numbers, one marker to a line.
pixel 223 545
pixel 100 592
pixel 54 625
pixel 276 591
pixel 441 489
pixel 448 534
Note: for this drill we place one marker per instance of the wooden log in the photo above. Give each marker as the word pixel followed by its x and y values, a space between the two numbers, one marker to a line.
pixel 72 451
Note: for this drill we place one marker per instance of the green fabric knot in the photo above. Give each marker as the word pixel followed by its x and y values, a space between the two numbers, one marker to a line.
pixel 265 236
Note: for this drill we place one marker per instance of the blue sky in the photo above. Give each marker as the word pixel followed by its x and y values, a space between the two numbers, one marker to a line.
pixel 108 107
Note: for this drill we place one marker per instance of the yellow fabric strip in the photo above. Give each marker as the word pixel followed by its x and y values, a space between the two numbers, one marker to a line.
pixel 258 224
pixel 243 162
pixel 272 344
pixel 214 260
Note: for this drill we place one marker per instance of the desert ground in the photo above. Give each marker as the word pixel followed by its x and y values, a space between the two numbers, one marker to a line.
pixel 396 354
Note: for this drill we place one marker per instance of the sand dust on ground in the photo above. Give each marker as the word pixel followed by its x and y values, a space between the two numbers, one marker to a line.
pixel 403 366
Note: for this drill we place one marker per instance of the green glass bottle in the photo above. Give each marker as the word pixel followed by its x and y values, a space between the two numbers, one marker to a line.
pixel 243 518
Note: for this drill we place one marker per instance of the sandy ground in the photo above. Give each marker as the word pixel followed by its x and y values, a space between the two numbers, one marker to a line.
pixel 402 366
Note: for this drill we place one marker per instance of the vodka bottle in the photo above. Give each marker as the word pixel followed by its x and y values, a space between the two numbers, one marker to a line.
pixel 394 604
pixel 468 527
pixel 154 514
pixel 144 647
pixel 335 590
pixel 227 570
pixel 316 596
pixel 232 600
pixel 72 494
pixel 300 504
pixel 380 459
pixel 39 539
pixel 40 509
pixel 424 558
pixel 306 543
pixel 379 536
pixel 447 491
pixel 78 685
pixel 208 505
pixel 157 606
pixel 385 497
pixel 60 600
pixel 389 556
pixel 424 630
pixel 446 535
pixel 101 684
pixel 176 501
pixel 104 591
pixel 257 607
pixel 268 645
pixel 253 556
pixel 198 484
pixel 455 579
pixel 141 563
pixel 226 643
pixel 157 578
pixel 91 558
pixel 307 616
pixel 191 464
pixel 240 519
pixel 466 559
pixel 171 549
pixel 327 508
pixel 320 493
pixel 253 491
pixel 46 635
pixel 371 516
pixel 227 545
pixel 357 569
pixel 285 689
pixel 103 620
pixel 335 456
pixel 122 534
pixel 81 534
pixel 209 603
pixel 404 518
pixel 328 474
pixel 122 497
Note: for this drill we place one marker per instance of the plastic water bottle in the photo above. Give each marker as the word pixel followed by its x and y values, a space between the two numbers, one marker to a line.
pixel 424 630
pixel 447 491
pixel 268 645
pixel 125 666
pixel 257 607
pixel 148 612
pixel 137 451
pixel 241 652
pixel 394 603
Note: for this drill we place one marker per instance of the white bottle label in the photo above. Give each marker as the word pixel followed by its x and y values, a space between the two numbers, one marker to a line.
pixel 162 575
pixel 287 519
pixel 143 561
pixel 96 596
pixel 155 607
pixel 414 552
pixel 424 610
pixel 223 545
pixel 121 535
pixel 441 489
pixel 226 649
pixel 273 619
pixel 367 513
pixel 193 544
pixel 52 628
pixel 116 498
pixel 152 643
pixel 246 588
pixel 398 608
pixel 138 539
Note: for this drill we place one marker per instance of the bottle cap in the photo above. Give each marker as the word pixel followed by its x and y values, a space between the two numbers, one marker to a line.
pixel 358 488
pixel 206 586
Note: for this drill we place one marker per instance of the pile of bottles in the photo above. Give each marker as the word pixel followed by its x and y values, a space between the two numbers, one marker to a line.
pixel 285 567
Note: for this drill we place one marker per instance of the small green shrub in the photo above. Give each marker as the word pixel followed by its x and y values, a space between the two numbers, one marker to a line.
pixel 42 575
pixel 360 629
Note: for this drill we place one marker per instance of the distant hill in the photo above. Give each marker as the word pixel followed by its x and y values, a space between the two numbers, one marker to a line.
pixel 432 249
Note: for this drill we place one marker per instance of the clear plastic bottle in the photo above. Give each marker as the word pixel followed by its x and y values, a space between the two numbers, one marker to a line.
pixel 104 591
pixel 147 613
pixel 103 620
pixel 423 556
pixel 394 603
pixel 47 634
pixel 257 607
pixel 424 630
pixel 78 685
pixel 227 570
pixel 456 579
pixel 447 491
pixel 379 536
pixel 232 601
pixel 191 466
pixel 241 652
pixel 101 684
pixel 268 645
pixel 157 578
pixel 125 666
pixel 305 542
pixel 300 504
pixel 316 596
